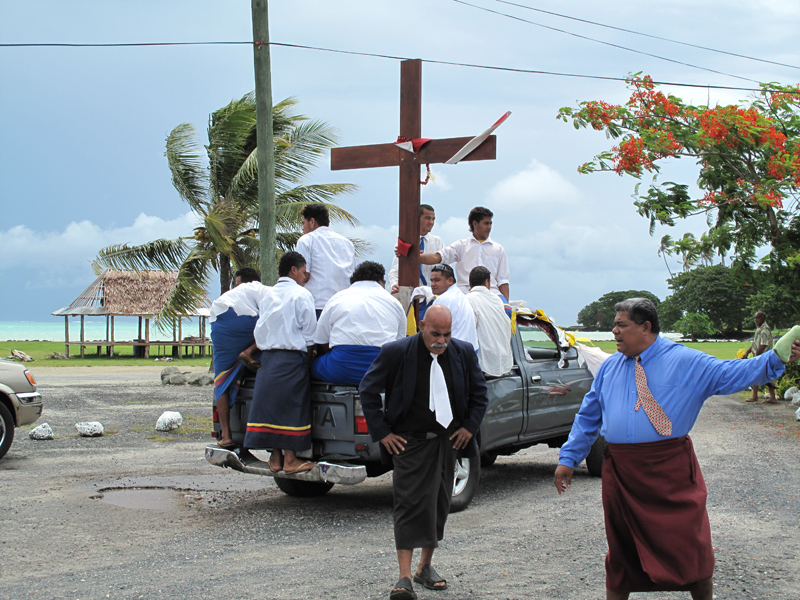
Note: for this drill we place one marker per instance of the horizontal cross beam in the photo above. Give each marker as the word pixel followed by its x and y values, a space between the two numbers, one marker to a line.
pixel 390 155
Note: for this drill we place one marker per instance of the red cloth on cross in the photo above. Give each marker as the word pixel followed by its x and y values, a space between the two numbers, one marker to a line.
pixel 654 500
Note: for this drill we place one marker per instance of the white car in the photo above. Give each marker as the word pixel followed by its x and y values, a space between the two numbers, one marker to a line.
pixel 20 403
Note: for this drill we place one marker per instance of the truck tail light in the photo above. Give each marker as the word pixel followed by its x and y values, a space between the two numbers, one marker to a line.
pixel 361 425
pixel 214 414
pixel 358 416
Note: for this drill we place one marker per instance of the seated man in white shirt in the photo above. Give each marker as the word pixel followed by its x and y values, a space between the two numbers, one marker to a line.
pixel 330 257
pixel 492 324
pixel 428 243
pixel 474 251
pixel 443 285
pixel 355 323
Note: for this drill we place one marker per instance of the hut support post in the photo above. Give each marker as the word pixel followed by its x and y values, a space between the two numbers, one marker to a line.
pixel 83 338
pixel 147 338
pixel 108 335
pixel 66 336
pixel 111 347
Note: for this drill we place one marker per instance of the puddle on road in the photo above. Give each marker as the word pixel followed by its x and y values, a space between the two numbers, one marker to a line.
pixel 150 498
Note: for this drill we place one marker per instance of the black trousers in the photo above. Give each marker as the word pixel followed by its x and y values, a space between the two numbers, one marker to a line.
pixel 422 485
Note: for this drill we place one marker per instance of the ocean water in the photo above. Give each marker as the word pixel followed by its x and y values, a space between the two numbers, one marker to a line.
pixel 125 329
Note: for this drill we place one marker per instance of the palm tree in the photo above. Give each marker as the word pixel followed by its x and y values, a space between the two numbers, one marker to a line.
pixel 224 195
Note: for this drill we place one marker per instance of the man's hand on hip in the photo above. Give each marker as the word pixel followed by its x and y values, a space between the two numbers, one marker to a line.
pixel 393 443
pixel 563 478
pixel 461 437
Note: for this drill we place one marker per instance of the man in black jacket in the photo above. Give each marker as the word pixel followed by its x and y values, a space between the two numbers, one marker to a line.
pixel 435 401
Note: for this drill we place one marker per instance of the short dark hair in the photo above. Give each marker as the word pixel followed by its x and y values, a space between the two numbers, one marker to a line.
pixel 318 212
pixel 478 276
pixel 640 310
pixel 447 270
pixel 479 213
pixel 368 271
pixel 247 274
pixel 424 207
pixel 289 260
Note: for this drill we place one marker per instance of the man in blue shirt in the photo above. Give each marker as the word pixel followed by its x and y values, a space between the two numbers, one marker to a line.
pixel 654 496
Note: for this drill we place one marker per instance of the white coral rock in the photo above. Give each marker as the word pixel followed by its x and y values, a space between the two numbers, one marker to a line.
pixel 90 429
pixel 169 421
pixel 42 432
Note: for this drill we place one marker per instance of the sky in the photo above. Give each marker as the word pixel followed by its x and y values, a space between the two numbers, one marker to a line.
pixel 82 161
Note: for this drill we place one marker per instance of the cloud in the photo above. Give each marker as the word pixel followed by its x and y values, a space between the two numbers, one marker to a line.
pixel 537 185
pixel 48 258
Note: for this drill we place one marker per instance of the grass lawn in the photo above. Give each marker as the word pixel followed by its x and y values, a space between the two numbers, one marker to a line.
pixel 123 356
pixel 723 350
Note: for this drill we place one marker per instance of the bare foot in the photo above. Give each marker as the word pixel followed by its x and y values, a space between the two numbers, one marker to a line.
pixel 275 462
pixel 752 400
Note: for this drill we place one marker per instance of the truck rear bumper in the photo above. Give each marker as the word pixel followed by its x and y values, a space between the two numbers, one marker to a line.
pixel 323 472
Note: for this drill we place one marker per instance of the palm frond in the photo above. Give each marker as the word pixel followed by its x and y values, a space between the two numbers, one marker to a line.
pixel 163 254
pixel 189 175
pixel 190 292
pixel 231 139
pixel 297 153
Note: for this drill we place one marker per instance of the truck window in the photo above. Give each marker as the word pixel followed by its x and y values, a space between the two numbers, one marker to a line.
pixel 537 343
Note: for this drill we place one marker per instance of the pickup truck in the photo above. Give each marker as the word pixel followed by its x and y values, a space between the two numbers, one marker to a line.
pixel 535 403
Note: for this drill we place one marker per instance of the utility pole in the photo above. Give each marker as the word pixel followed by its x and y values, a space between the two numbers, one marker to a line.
pixel 265 153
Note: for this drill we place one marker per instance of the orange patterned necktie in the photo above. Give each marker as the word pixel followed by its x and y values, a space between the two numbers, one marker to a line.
pixel 652 408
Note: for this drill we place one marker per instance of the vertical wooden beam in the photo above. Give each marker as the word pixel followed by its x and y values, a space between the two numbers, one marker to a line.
pixel 83 338
pixel 265 152
pixel 108 336
pixel 147 338
pixel 410 127
pixel 66 336
pixel 112 335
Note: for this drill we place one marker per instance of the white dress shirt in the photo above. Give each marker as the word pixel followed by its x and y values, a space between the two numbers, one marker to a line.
pixel 330 259
pixel 433 244
pixel 287 320
pixel 494 331
pixel 364 314
pixel 470 253
pixel 244 299
pixel 463 327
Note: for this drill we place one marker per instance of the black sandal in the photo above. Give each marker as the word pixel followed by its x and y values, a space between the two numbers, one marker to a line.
pixel 403 590
pixel 428 577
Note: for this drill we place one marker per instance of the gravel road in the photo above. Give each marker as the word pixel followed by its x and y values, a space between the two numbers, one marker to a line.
pixel 137 514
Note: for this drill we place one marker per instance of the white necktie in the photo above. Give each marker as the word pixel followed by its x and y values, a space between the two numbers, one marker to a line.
pixel 440 399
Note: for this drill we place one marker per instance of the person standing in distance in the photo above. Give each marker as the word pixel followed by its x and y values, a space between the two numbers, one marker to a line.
pixel 330 257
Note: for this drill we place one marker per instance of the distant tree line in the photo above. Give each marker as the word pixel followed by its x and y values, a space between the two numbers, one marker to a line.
pixel 709 300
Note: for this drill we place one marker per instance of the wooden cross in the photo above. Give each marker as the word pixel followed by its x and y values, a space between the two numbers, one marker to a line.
pixel 390 155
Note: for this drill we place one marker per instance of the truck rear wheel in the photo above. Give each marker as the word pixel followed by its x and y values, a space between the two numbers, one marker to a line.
pixel 594 461
pixel 302 489
pixel 465 483
pixel 6 429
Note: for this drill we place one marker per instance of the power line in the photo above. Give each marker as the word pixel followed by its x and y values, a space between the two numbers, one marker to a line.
pixel 376 55
pixel 655 37
pixel 583 37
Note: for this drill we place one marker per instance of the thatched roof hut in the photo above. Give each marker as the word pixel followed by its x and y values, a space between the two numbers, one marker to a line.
pixel 140 294
pixel 124 293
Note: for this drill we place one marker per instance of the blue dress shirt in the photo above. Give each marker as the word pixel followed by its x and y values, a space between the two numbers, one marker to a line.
pixel 680 379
